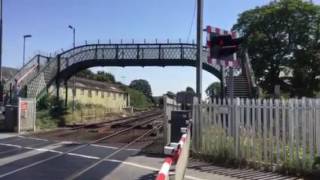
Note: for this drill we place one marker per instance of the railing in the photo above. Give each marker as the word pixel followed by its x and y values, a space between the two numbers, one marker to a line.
pixel 172 51
pixel 264 133
pixel 42 80
pixel 37 82
pixel 37 61
pixel 250 76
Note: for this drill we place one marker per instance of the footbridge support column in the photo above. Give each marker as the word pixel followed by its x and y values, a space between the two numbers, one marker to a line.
pixel 66 94
pixel 57 78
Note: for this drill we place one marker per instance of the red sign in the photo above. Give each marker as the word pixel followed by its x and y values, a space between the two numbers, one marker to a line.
pixel 23 105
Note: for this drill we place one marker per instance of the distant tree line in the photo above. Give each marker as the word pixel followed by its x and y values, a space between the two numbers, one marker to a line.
pixel 99 76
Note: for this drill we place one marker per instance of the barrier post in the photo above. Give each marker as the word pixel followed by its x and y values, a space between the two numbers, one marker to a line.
pixel 177 152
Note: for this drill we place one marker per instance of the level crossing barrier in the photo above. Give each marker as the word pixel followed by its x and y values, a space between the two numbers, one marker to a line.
pixel 178 154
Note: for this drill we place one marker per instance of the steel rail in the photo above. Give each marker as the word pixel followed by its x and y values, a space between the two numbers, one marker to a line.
pixel 125 119
pixel 76 175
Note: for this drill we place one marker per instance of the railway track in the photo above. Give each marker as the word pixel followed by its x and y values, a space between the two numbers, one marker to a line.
pixel 152 120
pixel 100 126
pixel 81 172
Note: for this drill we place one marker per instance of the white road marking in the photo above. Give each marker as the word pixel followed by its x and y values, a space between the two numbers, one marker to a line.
pixel 147 167
pixel 51 148
pixel 112 147
pixel 11 145
pixel 34 152
pixel 70 142
pixel 84 156
pixel 133 164
pixel 33 138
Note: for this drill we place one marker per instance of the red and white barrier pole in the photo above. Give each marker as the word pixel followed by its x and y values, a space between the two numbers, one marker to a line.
pixel 165 168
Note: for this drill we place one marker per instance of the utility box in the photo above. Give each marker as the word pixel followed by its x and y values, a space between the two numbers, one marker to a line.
pixel 11 118
pixel 178 120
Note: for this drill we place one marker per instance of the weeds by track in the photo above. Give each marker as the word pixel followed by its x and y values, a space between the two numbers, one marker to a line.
pixel 100 126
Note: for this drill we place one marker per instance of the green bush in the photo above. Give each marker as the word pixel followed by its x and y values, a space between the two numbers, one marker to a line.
pixel 138 99
pixel 45 121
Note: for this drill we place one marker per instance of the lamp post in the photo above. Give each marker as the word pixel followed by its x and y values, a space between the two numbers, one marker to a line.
pixel 1 42
pixel 24 47
pixel 1 93
pixel 74 34
pixel 74 81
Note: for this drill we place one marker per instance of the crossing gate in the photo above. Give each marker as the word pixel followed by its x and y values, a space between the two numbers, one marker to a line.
pixel 26 115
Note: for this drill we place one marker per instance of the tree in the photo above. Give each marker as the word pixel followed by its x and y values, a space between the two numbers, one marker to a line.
pixel 282 39
pixel 143 86
pixel 86 73
pixel 138 99
pixel 105 77
pixel 190 90
pixel 99 76
pixel 213 89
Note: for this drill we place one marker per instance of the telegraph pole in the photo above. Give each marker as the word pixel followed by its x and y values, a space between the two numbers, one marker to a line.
pixel 1 88
pixel 199 48
pixel 199 66
pixel 1 13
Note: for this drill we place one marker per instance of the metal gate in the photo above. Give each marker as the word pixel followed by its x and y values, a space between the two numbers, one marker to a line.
pixel 26 114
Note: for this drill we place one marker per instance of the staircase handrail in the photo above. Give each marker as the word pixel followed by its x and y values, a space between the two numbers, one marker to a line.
pixel 22 70
pixel 42 71
pixel 250 74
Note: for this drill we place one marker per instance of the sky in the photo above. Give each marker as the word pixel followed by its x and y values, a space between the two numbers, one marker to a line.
pixel 47 21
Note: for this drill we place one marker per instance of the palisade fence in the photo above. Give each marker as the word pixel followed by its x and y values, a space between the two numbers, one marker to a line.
pixel 262 132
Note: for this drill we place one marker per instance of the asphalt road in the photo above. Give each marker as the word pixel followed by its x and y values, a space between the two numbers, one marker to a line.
pixel 20 155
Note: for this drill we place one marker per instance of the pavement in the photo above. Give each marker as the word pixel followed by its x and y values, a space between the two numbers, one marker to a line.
pixel 37 159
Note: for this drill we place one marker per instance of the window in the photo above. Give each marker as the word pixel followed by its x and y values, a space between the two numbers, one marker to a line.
pixel 102 94
pixel 108 94
pixel 89 93
pixel 124 97
pixel 97 92
pixel 114 96
pixel 82 91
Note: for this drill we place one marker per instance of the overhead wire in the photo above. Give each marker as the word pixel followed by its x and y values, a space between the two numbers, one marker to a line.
pixel 192 20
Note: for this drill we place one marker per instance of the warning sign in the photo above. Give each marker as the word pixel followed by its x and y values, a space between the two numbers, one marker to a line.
pixel 24 105
pixel 26 114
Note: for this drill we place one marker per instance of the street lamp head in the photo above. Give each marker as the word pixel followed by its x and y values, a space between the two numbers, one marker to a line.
pixel 27 36
pixel 71 27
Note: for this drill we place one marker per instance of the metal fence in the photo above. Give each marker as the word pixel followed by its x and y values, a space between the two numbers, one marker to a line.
pixel 262 132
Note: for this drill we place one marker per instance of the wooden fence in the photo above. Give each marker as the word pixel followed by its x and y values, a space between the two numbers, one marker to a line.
pixel 263 132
